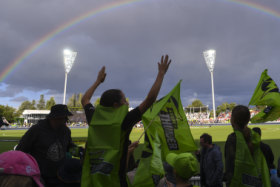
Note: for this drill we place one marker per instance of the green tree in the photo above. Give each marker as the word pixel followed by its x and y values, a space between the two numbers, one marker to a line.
pixel 41 103
pixel 50 103
pixel 74 102
pixel 196 106
pixel 196 103
pixel 224 107
pixel 25 105
pixel 8 112
pixel 33 103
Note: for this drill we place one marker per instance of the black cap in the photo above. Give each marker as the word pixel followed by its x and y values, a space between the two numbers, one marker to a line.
pixel 59 110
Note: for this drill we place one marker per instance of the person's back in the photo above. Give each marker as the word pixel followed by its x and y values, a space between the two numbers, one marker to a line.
pixel 245 163
pixel 211 164
pixel 105 159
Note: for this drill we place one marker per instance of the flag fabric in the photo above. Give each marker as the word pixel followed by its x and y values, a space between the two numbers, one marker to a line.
pixel 266 94
pixel 168 119
pixel 167 131
pixel 150 169
pixel 268 114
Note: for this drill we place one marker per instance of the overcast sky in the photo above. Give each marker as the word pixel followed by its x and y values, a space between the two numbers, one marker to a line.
pixel 129 40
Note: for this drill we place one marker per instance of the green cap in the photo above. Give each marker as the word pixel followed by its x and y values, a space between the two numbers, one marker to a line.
pixel 185 164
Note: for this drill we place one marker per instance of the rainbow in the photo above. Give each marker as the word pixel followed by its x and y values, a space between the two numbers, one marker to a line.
pixel 69 24
pixel 102 9
pixel 257 7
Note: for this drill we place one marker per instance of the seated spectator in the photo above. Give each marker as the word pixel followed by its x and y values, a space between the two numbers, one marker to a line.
pixel 70 173
pixel 19 169
pixel 184 165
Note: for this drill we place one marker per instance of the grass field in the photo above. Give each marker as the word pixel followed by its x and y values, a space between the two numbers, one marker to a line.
pixel 270 135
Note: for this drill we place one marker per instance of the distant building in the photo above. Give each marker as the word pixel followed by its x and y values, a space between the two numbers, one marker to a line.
pixel 33 116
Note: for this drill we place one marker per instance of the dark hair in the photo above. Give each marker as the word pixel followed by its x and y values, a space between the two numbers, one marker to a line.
pixel 109 97
pixel 240 115
pixel 257 130
pixel 207 138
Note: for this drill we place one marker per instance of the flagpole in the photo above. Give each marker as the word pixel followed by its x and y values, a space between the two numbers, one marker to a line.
pixel 145 129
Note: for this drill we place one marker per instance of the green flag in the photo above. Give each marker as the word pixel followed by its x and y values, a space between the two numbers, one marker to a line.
pixel 169 120
pixel 268 114
pixel 266 92
pixel 150 169
pixel 167 130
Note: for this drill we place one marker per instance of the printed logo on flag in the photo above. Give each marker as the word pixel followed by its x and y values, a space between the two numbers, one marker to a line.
pixel 268 86
pixel 169 123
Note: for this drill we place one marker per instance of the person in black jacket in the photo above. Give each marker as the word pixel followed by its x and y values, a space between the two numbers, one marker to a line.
pixel 266 150
pixel 48 142
pixel 211 163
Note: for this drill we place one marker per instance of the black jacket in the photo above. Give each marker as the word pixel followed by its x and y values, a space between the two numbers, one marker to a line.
pixel 47 146
pixel 268 154
pixel 211 167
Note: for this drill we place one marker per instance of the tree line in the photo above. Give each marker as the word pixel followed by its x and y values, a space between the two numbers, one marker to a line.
pixel 12 114
pixel 198 106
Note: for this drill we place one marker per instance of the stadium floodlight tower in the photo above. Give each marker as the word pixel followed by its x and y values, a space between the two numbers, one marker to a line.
pixel 209 57
pixel 69 58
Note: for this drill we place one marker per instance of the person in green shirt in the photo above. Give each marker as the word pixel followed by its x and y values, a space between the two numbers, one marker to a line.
pixel 110 124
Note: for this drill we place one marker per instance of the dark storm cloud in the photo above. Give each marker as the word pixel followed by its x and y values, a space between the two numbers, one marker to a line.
pixel 19 99
pixel 130 40
pixel 11 91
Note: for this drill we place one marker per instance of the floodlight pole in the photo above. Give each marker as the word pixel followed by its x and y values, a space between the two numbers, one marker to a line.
pixel 65 84
pixel 69 58
pixel 213 95
pixel 209 57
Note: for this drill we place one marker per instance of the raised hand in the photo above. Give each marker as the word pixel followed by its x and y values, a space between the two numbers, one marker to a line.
pixel 88 94
pixel 101 75
pixel 163 64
